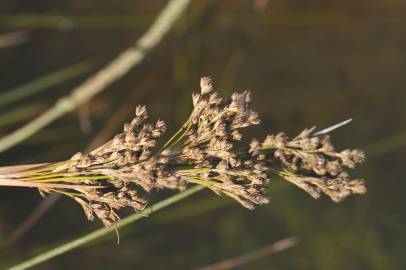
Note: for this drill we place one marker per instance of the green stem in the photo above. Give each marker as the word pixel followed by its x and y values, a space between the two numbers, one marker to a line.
pixel 202 182
pixel 103 231
pixel 50 176
pixel 186 130
pixel 68 179
pixel 171 139
pixel 43 83
pixel 17 183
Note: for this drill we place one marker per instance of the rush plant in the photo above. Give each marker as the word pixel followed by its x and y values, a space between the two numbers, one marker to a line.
pixel 205 151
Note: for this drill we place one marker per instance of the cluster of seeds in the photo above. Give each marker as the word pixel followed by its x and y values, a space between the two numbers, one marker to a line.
pixel 310 162
pixel 122 168
pixel 204 151
pixel 208 145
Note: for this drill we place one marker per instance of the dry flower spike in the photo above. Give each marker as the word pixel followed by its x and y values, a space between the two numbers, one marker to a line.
pixel 202 152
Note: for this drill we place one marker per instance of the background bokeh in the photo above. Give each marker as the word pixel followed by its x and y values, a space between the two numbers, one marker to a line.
pixel 306 62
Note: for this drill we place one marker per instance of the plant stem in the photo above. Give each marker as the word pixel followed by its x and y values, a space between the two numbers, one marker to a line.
pixel 172 138
pixel 43 83
pixel 103 231
pixel 17 183
pixel 63 178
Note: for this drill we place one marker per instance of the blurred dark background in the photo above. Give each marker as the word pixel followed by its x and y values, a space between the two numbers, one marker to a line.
pixel 306 62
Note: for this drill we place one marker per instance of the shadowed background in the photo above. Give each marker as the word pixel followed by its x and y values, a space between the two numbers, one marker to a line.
pixel 306 62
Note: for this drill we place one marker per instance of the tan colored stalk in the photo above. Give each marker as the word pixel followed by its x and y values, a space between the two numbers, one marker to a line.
pixel 17 183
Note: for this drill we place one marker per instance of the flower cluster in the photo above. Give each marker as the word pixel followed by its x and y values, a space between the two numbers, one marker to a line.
pixel 204 151
pixel 121 167
pixel 208 145
pixel 310 162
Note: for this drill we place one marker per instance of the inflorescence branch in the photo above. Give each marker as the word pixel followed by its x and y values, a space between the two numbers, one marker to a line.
pixel 204 151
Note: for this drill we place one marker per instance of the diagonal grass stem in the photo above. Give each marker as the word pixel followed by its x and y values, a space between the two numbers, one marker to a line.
pixel 103 231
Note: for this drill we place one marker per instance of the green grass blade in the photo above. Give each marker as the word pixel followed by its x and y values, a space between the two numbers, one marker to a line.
pixel 19 114
pixel 67 22
pixel 103 231
pixel 43 83
pixel 386 145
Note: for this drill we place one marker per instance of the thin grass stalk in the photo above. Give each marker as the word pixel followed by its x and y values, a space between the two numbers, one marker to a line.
pixel 388 144
pixel 20 114
pixel 43 83
pixel 237 262
pixel 12 39
pixel 68 22
pixel 43 257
